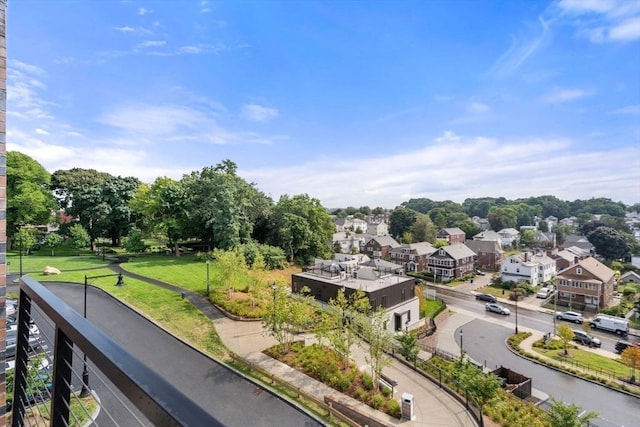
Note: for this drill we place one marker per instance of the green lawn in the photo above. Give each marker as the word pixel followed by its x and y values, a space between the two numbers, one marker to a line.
pixel 594 362
pixel 429 307
pixel 36 263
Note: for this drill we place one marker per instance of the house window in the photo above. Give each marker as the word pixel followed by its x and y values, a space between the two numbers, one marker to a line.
pixel 403 295
pixel 578 270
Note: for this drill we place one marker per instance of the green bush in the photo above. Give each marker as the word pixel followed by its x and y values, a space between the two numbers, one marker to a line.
pixel 361 394
pixel 367 381
pixel 393 408
pixel 378 401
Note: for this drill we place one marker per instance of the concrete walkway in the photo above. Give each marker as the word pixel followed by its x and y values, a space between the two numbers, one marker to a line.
pixel 432 406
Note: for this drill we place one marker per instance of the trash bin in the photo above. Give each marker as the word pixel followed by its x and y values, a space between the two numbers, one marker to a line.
pixel 407 406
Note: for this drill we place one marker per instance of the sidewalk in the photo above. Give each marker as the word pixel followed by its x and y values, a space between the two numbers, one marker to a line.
pixel 432 406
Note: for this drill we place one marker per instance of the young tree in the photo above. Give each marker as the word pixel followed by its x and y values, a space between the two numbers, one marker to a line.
pixel 228 264
pixel 52 241
pixel 566 335
pixel 78 237
pixel 375 333
pixel 569 415
pixel 409 346
pixel 631 357
pixel 482 387
pixel 286 315
pixel 423 229
pixel 134 242
pixel 342 329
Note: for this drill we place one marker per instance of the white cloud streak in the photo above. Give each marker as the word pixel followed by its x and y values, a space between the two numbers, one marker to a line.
pixel 258 113
pixel 561 95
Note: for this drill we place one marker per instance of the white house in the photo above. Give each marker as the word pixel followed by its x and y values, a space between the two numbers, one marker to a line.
pixel 527 267
pixel 377 228
pixel 547 268
pixel 508 236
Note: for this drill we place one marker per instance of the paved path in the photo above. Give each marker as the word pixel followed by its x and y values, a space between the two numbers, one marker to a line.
pixel 432 406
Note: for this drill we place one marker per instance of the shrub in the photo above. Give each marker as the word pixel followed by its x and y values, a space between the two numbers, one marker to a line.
pixel 361 394
pixel 393 408
pixel 367 381
pixel 386 392
pixel 378 401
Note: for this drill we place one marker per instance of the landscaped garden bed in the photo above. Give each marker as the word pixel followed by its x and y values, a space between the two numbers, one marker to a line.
pixel 324 365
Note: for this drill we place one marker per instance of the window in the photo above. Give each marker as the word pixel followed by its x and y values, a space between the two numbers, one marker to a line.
pixel 403 295
pixel 578 270
pixel 383 301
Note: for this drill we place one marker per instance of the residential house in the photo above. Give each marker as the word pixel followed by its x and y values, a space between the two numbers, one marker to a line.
pixel 347 242
pixel 571 221
pixel 487 235
pixel 630 277
pixel 587 285
pixel 384 283
pixel 377 228
pixel 451 262
pixel 563 258
pixel 412 256
pixel 533 268
pixel 380 246
pixel 489 253
pixel 520 268
pixel 358 225
pixel 509 237
pixel 551 221
pixel 579 242
pixel 482 223
pixel 350 224
pixel 451 235
pixel 546 239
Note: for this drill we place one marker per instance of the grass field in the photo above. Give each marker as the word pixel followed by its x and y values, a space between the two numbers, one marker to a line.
pixel 592 361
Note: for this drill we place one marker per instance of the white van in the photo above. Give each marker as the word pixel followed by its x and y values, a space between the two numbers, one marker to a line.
pixel 610 323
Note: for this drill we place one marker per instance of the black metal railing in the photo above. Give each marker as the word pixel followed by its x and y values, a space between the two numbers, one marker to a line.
pixel 156 399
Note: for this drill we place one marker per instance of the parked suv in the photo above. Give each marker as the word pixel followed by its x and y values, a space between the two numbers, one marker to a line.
pixel 584 338
pixel 622 345
pixel 570 316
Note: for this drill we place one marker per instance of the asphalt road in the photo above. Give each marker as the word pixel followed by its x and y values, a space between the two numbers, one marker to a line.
pixel 232 399
pixel 484 341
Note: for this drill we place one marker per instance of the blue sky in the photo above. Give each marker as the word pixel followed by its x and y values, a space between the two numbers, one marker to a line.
pixel 352 102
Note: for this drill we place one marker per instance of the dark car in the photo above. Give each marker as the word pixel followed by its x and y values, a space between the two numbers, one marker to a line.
pixel 586 339
pixel 622 345
pixel 486 297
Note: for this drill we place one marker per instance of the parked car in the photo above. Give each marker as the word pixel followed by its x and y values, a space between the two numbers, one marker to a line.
pixel 480 273
pixel 496 308
pixel 544 293
pixel 586 339
pixel 486 297
pixel 570 316
pixel 622 345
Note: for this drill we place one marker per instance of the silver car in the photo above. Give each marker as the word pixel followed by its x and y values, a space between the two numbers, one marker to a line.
pixel 570 316
pixel 496 308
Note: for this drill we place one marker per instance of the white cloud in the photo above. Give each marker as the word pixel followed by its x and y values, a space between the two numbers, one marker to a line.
pixel 152 43
pixel 479 107
pixel 142 11
pixel 41 132
pixel 604 20
pixel 560 95
pixel 457 168
pixel 629 109
pixel 125 29
pixel 258 113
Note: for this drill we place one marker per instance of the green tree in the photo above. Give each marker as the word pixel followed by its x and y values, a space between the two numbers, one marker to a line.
pixel 482 387
pixel 407 237
pixel 423 229
pixel 78 237
pixel 409 346
pixel 528 237
pixel 566 335
pixel 29 200
pixel 401 220
pixel 134 242
pixel 229 264
pixel 302 228
pixel 562 231
pixel 608 243
pixel 25 240
pixel 343 312
pixel 502 217
pixel 52 241
pixel 116 192
pixel 375 332
pixel 469 227
pixel 569 415
pixel 286 315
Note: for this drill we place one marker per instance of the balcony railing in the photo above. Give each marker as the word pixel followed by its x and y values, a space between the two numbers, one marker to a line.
pixel 156 399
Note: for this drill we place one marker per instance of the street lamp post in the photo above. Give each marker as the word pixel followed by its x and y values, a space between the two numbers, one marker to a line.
pixel 86 391
pixel 517 295
pixel 20 235
pixel 207 277
pixel 555 311
pixel 461 347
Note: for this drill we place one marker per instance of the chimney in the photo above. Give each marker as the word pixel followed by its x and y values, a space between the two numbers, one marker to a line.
pixel 575 260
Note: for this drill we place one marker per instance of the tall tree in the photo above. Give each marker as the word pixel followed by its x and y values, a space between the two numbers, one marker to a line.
pixel 116 194
pixel 29 200
pixel 631 357
pixel 344 312
pixel 379 339
pixel 401 220
pixel 566 335
pixel 302 227
pixel 609 243
pixel 502 217
pixel 423 230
